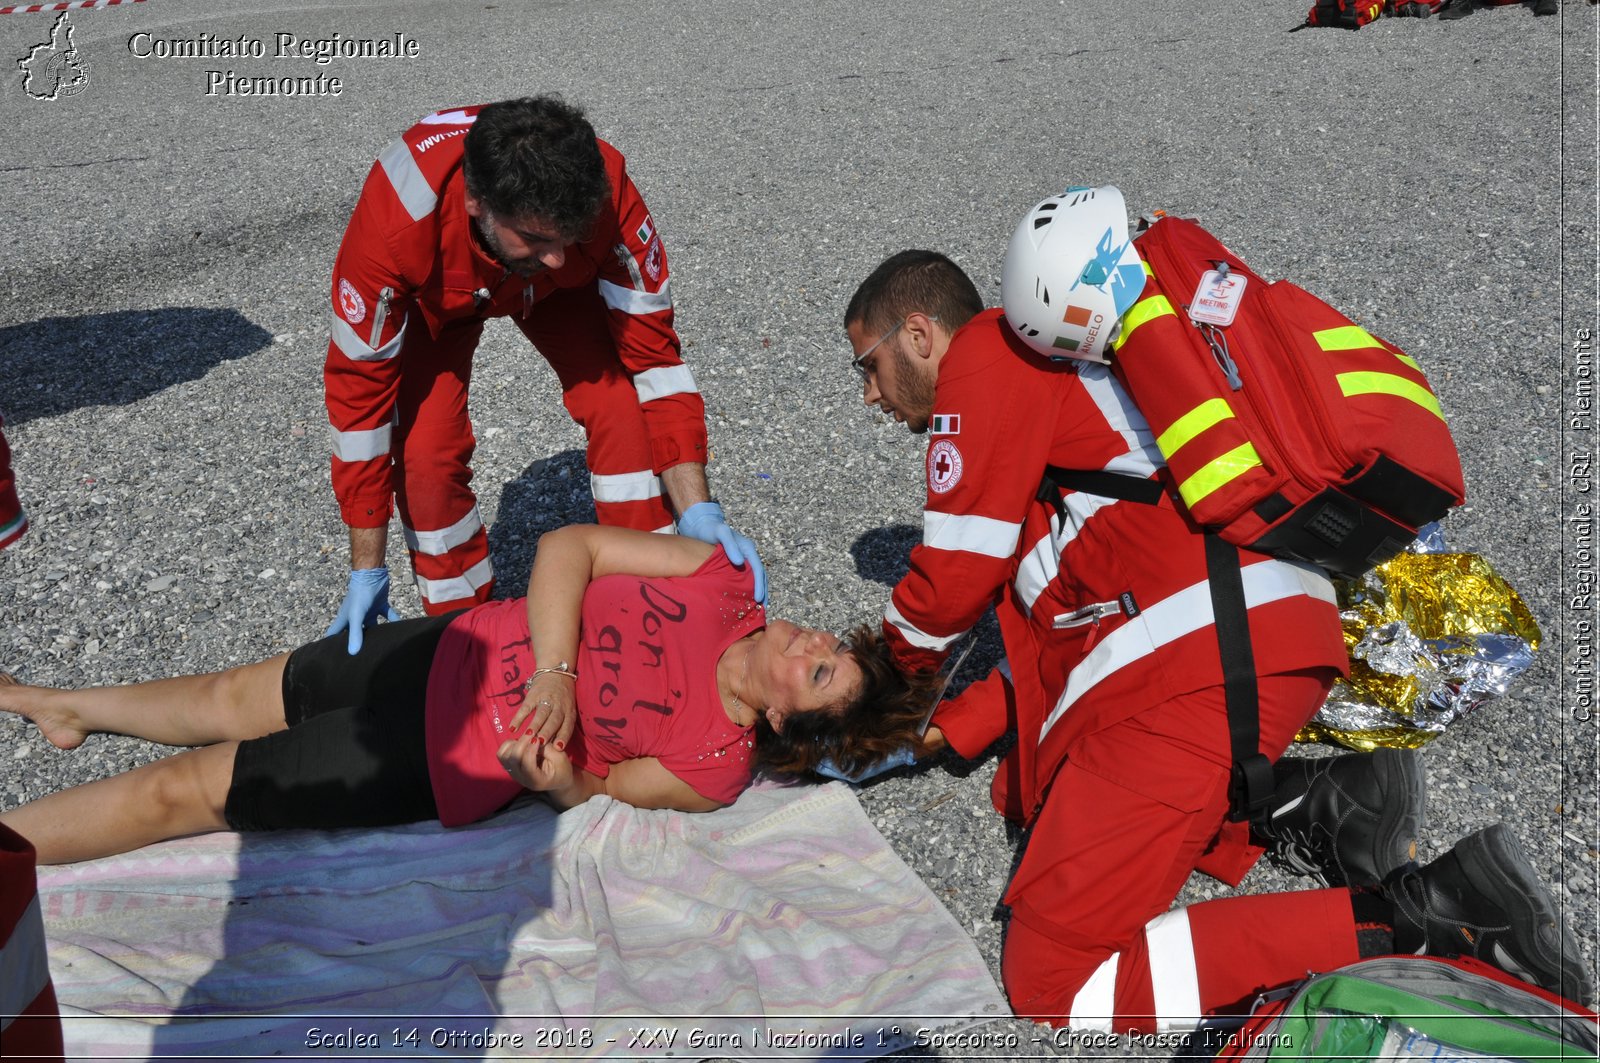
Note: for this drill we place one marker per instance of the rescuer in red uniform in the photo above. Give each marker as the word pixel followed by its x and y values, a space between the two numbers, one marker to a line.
pixel 1114 684
pixel 13 521
pixel 509 209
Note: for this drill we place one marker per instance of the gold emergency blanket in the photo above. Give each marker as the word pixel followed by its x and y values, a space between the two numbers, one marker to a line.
pixel 1431 636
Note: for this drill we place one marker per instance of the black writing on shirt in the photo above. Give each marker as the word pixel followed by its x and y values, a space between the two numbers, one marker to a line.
pixel 511 670
pixel 635 642
pixel 511 675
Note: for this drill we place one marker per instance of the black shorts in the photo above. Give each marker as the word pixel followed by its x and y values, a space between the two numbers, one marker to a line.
pixel 355 753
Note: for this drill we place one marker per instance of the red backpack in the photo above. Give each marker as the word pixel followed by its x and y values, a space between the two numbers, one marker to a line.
pixel 1345 14
pixel 1287 428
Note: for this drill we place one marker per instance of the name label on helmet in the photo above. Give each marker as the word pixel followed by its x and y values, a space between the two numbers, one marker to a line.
pixel 1216 301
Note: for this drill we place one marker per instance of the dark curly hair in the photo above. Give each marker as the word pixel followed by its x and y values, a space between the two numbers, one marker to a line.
pixel 883 717
pixel 538 157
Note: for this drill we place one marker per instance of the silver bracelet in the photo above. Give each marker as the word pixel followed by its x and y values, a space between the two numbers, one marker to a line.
pixel 561 669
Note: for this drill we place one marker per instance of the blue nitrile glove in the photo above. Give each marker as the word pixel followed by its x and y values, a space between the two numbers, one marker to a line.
pixel 704 521
pixel 900 758
pixel 365 601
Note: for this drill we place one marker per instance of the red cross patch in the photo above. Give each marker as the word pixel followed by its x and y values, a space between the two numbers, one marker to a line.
pixel 944 466
pixel 351 305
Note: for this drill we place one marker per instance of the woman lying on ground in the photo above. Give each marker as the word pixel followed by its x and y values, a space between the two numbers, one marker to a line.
pixel 650 675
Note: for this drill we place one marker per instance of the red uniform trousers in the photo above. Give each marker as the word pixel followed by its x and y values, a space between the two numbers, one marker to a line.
pixel 438 510
pixel 1134 809
pixel 13 521
pixel 30 1023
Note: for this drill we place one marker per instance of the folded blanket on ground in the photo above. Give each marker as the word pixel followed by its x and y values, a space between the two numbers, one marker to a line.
pixel 783 925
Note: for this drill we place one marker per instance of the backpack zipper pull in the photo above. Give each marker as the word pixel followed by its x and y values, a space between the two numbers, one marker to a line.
pixel 1217 340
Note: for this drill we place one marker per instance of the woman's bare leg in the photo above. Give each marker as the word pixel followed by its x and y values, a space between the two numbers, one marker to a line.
pixel 177 795
pixel 191 710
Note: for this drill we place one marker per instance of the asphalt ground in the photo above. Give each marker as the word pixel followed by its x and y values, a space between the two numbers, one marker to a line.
pixel 167 270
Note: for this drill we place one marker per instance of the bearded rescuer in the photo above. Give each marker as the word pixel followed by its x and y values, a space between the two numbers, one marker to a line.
pixel 1114 683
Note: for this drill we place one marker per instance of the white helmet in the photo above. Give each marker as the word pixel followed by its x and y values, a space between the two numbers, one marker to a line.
pixel 1071 273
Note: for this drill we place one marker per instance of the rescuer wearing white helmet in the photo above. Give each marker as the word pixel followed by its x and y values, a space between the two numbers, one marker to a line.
pixel 1114 682
pixel 1070 274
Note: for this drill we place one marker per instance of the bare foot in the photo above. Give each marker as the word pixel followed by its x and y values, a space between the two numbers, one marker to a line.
pixel 57 723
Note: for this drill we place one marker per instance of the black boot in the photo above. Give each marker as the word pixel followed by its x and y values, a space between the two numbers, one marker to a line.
pixel 1348 820
pixel 1459 9
pixel 1483 899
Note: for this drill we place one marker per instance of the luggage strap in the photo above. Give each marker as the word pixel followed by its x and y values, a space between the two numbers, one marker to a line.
pixel 1119 485
pixel 1250 786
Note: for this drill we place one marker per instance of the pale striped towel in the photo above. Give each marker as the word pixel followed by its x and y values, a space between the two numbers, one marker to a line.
pixel 782 926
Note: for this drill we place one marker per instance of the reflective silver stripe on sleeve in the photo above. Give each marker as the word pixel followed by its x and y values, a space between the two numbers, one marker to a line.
pixel 969 534
pixel 356 349
pixel 1041 563
pixel 455 117
pixel 1174 983
pixel 438 543
pixel 416 195
pixel 634 302
pixel 915 635
pixel 362 446
pixel 1177 615
pixel 456 588
pixel 24 969
pixel 664 380
pixel 625 486
pixel 1094 1004
pixel 1143 456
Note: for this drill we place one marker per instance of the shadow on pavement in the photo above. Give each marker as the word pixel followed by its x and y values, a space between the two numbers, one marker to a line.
pixel 59 364
pixel 550 493
pixel 883 554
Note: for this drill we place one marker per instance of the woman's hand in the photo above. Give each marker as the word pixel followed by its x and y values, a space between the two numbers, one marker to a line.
pixel 537 766
pixel 550 710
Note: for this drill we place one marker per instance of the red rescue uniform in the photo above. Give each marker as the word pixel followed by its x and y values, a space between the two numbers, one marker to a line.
pixel 411 290
pixel 30 1023
pixel 13 521
pixel 1113 683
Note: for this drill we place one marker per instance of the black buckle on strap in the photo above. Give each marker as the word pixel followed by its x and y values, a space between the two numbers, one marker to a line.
pixel 1250 790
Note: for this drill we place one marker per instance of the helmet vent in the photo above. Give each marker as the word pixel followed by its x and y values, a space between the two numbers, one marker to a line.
pixel 1044 295
pixel 1040 222
pixel 1048 205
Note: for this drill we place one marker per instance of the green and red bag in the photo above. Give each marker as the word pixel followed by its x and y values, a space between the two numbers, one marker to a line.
pixel 1414 1007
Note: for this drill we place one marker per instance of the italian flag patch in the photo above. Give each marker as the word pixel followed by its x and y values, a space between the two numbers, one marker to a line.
pixel 944 424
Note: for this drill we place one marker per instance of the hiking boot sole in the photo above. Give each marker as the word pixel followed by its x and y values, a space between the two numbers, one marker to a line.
pixel 1495 864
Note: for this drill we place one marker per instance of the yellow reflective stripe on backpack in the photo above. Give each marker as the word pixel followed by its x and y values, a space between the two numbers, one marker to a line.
pixel 1356 338
pixel 1389 384
pixel 1218 473
pixel 1345 338
pixel 1192 424
pixel 1142 311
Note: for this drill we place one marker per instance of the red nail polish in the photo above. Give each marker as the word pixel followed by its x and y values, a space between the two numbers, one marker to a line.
pixel 560 745
pixel 538 740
